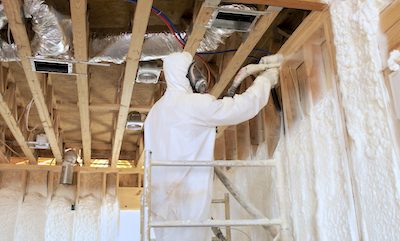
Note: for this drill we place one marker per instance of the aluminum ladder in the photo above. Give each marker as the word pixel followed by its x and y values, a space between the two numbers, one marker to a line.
pixel 145 209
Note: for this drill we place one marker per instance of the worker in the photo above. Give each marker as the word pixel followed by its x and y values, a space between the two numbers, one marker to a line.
pixel 182 126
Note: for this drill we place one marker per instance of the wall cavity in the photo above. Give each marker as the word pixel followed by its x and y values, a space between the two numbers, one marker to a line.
pixel 374 164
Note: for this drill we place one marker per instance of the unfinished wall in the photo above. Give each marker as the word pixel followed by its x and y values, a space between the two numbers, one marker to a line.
pixel 374 161
pixel 339 152
pixel 45 212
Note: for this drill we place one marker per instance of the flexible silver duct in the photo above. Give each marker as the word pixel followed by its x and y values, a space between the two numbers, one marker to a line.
pixel 115 48
pixel 156 45
pixel 50 39
pixel 8 52
pixel 3 17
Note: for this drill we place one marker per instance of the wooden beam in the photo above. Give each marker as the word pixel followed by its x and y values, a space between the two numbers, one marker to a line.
pixel 141 20
pixel 303 32
pixel 82 169
pixel 198 31
pixel 315 5
pixel 3 157
pixel 243 51
pixel 18 28
pixel 18 135
pixel 115 107
pixel 80 36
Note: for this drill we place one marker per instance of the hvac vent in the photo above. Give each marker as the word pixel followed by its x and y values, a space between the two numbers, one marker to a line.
pixel 57 66
pixel 40 143
pixel 148 72
pixel 134 121
pixel 233 19
pixel 51 66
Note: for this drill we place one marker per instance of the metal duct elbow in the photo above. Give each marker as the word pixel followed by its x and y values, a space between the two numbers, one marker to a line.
pixel 51 39
pixel 67 171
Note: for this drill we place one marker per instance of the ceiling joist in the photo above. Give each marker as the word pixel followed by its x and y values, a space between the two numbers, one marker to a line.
pixel 12 9
pixel 80 37
pixel 140 22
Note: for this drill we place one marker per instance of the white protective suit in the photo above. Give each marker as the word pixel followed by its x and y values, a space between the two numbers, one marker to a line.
pixel 181 126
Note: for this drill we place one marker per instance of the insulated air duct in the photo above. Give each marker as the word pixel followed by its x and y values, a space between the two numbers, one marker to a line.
pixel 67 171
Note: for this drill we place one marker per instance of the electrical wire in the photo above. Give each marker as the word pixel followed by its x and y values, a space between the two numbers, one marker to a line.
pixel 5 144
pixel 28 107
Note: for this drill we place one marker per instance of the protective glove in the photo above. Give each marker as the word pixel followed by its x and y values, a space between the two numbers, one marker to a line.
pixel 272 75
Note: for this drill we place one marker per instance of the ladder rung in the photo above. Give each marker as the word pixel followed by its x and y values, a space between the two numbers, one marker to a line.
pixel 215 163
pixel 218 201
pixel 214 223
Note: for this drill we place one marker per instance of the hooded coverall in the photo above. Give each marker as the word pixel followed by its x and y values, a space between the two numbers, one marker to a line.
pixel 181 126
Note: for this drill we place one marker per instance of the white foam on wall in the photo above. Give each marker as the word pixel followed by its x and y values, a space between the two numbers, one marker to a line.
pixel 109 218
pixel 60 219
pixel 9 204
pixel 87 219
pixel 319 201
pixel 374 164
pixel 31 220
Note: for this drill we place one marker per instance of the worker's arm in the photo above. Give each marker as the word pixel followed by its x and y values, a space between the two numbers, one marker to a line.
pixel 231 111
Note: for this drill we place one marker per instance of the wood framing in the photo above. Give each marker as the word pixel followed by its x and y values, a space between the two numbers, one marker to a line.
pixel 141 19
pixel 83 169
pixel 198 31
pixel 13 126
pixel 80 37
pixel 18 28
pixel 315 5
pixel 115 107
pixel 243 51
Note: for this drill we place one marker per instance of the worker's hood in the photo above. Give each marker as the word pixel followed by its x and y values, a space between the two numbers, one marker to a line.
pixel 175 68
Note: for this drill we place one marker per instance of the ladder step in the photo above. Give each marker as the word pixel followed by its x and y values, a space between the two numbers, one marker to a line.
pixel 262 163
pixel 214 223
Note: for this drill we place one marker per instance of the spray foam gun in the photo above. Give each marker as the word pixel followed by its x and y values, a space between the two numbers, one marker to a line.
pixel 267 62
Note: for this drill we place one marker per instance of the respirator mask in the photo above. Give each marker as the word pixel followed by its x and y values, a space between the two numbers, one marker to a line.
pixel 196 79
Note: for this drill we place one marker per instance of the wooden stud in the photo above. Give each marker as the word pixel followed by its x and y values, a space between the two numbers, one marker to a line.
pixel 243 144
pixel 243 51
pixel 141 19
pixel 219 149
pixel 18 28
pixel 315 5
pixel 80 33
pixel 104 186
pixel 50 184
pixel 271 126
pixel 313 62
pixel 230 146
pixel 24 180
pixel 390 16
pixel 77 187
pixel 289 100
